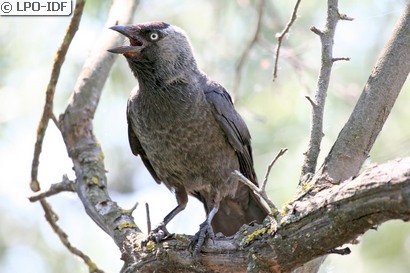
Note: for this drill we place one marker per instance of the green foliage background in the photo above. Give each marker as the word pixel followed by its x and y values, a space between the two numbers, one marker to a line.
pixel 277 114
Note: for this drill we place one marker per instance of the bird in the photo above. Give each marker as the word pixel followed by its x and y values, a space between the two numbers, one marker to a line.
pixel 187 132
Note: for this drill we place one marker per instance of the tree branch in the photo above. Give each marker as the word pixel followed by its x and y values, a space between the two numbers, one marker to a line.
pixel 52 218
pixel 48 114
pixel 281 35
pixel 318 105
pixel 65 185
pixel 245 53
pixel 314 226
pixel 51 88
pixel 357 137
pixel 77 130
pixel 261 190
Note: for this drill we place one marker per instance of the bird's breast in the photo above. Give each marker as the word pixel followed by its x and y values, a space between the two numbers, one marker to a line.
pixel 183 142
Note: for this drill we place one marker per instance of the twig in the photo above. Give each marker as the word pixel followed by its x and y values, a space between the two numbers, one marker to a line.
pixel 265 179
pixel 245 53
pixel 131 210
pixel 340 59
pixel 51 87
pixel 52 218
pixel 318 104
pixel 311 101
pixel 317 31
pixel 253 187
pixel 65 185
pixel 148 217
pixel 261 191
pixel 345 17
pixel 282 35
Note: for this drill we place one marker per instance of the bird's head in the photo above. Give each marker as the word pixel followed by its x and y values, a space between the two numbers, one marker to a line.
pixel 158 45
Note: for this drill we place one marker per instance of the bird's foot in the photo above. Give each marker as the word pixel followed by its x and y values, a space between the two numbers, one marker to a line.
pixel 157 235
pixel 205 231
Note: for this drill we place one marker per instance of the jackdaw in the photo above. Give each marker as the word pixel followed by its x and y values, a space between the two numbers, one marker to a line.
pixel 184 127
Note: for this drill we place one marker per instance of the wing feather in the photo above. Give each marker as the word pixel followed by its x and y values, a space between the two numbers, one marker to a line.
pixel 233 126
pixel 136 147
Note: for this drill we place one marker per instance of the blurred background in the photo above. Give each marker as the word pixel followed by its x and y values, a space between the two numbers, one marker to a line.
pixel 277 114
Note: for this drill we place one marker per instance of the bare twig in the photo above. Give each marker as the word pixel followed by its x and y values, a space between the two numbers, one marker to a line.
pixel 65 185
pixel 311 101
pixel 327 60
pixel 345 17
pixel 255 189
pixel 52 218
pixel 316 31
pixel 245 53
pixel 261 190
pixel 48 114
pixel 282 35
pixel 265 179
pixel 51 87
pixel 131 210
pixel 341 59
pixel 148 217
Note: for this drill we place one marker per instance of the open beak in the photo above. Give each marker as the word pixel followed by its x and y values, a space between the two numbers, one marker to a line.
pixel 136 43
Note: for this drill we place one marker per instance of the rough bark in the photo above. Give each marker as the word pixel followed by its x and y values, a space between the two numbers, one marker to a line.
pixel 77 130
pixel 313 225
pixel 318 104
pixel 357 137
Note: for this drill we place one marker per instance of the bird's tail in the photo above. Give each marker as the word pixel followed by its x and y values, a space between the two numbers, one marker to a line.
pixel 236 211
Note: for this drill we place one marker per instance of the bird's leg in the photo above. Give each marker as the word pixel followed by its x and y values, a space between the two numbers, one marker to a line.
pixel 161 232
pixel 205 230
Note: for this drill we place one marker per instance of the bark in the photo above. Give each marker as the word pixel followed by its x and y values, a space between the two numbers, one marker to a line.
pixel 313 226
pixel 357 137
pixel 318 104
pixel 77 130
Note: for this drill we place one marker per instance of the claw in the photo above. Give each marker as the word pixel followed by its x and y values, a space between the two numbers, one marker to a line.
pixel 205 231
pixel 157 235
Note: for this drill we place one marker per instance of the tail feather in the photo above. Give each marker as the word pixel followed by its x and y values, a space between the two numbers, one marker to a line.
pixel 234 212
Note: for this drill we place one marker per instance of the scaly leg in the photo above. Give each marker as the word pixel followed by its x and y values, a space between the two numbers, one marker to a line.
pixel 205 230
pixel 160 232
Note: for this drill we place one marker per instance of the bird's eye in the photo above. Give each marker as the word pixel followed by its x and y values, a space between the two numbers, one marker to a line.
pixel 154 36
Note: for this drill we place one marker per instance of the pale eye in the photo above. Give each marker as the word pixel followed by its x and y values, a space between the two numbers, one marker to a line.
pixel 154 36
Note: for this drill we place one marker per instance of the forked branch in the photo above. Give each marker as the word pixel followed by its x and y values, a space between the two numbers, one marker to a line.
pixel 357 137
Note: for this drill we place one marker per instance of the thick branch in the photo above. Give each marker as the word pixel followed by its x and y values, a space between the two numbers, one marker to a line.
pixel 77 130
pixel 312 227
pixel 357 137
